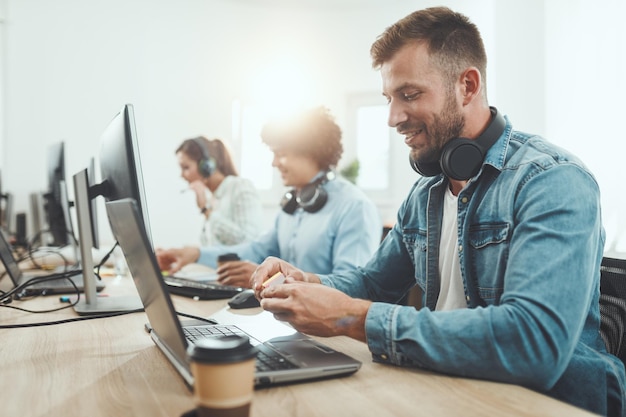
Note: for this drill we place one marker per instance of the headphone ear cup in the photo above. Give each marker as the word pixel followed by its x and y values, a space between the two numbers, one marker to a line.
pixel 461 159
pixel 206 167
pixel 312 198
pixel 425 169
pixel 289 203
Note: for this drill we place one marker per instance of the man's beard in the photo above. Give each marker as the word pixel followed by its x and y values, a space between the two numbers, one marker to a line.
pixel 447 125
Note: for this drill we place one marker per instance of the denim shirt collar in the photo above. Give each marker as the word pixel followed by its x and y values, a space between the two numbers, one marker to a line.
pixel 496 155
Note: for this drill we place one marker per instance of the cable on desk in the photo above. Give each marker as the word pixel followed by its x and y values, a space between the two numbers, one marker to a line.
pixel 191 316
pixel 19 292
pixel 50 323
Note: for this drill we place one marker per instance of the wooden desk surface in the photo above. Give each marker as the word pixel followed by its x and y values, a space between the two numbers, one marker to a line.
pixel 111 367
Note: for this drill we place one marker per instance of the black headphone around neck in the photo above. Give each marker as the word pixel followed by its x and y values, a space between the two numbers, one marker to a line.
pixel 461 158
pixel 312 197
pixel 207 164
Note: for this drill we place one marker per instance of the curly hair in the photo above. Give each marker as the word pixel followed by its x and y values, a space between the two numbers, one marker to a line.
pixel 313 133
pixel 196 149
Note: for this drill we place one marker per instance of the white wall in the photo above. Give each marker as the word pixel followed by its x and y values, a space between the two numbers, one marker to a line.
pixel 585 96
pixel 71 64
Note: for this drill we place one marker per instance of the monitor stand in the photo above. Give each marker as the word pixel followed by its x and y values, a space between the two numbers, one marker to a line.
pixel 92 304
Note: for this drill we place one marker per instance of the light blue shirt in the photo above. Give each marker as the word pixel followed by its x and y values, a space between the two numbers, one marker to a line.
pixel 530 245
pixel 341 236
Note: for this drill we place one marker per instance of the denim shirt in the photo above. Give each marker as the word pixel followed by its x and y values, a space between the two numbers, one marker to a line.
pixel 342 235
pixel 530 242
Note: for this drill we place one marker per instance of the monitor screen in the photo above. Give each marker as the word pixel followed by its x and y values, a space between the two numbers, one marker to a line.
pixel 120 165
pixel 55 195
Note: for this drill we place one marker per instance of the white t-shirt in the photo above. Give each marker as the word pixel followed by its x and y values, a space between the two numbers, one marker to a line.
pixel 451 293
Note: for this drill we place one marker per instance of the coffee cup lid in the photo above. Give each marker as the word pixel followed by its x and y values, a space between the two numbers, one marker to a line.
pixel 222 349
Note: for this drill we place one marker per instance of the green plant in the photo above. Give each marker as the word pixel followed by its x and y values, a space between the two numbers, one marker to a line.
pixel 351 171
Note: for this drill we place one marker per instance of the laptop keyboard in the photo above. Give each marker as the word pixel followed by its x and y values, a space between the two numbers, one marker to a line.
pixel 266 359
pixel 201 289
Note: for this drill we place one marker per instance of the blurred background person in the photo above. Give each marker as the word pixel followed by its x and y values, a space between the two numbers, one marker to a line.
pixel 326 223
pixel 231 209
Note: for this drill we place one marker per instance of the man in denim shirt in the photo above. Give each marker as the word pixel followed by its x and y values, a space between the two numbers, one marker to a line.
pixel 504 238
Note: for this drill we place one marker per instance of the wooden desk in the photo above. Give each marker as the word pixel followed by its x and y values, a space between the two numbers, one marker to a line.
pixel 110 367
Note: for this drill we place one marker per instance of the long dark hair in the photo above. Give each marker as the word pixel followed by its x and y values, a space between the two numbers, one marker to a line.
pixel 215 148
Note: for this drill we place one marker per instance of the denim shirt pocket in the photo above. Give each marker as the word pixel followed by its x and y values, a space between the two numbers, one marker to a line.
pixel 415 241
pixel 490 247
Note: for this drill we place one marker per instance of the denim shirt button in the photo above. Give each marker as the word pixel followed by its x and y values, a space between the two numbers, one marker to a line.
pixel 383 357
pixel 460 248
pixel 464 200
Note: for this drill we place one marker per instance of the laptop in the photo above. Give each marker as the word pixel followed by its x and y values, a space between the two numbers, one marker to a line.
pixel 60 285
pixel 285 355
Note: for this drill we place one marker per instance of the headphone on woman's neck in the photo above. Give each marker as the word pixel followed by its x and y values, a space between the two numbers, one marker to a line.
pixel 461 158
pixel 312 197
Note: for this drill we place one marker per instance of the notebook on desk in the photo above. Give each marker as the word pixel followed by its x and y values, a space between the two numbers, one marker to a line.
pixel 285 355
pixel 60 285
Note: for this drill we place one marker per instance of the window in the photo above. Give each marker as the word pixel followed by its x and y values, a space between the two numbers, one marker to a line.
pixel 372 147
pixel 256 158
pixel 368 139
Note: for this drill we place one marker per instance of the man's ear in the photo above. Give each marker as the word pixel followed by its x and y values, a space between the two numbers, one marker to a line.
pixel 470 84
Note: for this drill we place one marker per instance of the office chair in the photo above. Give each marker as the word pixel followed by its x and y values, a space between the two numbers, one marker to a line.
pixel 613 306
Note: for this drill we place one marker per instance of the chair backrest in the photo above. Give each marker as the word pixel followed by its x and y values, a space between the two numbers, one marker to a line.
pixel 613 305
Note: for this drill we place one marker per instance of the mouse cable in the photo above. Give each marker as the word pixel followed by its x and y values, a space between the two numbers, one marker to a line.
pixel 51 323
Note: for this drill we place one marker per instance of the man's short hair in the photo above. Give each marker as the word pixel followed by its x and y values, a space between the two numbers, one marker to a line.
pixel 453 41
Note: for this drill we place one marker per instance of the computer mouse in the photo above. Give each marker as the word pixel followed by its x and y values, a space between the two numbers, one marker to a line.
pixel 244 299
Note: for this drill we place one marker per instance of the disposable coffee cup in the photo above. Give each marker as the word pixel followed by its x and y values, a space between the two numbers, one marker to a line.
pixel 223 371
pixel 227 257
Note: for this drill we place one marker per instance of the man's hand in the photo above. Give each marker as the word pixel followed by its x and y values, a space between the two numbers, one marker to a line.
pixel 316 309
pixel 270 267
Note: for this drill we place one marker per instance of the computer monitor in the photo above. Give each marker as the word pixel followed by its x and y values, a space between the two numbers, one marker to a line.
pixel 121 177
pixel 2 212
pixel 55 199
pixel 37 218
pixel 6 210
pixel 120 163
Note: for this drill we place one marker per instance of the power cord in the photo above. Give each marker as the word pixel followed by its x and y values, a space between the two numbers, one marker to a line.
pixel 99 316
pixel 20 292
pixel 51 323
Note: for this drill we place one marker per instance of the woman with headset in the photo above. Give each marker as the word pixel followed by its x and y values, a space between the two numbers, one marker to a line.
pixel 325 224
pixel 234 213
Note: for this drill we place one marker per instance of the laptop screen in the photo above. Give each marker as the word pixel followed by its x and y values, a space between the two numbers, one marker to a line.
pixel 12 268
pixel 126 226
